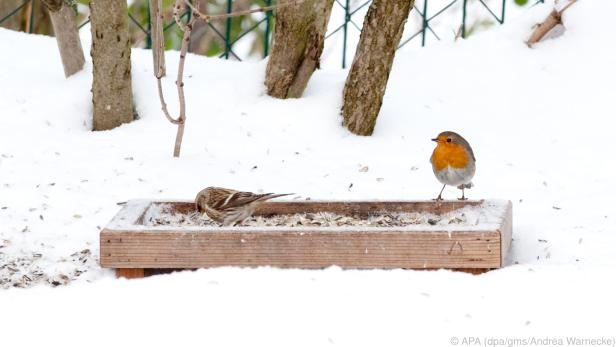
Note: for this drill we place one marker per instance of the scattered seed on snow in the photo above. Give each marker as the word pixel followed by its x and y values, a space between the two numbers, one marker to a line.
pixel 23 271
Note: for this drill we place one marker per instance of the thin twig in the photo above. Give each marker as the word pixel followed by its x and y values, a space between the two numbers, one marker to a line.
pixel 180 121
pixel 164 104
pixel 158 36
pixel 187 28
pixel 176 14
pixel 457 34
pixel 571 2
pixel 210 17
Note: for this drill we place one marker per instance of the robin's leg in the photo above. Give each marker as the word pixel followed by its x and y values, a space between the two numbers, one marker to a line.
pixel 462 198
pixel 439 198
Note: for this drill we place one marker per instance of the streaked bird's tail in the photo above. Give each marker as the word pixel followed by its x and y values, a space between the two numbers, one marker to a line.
pixel 273 196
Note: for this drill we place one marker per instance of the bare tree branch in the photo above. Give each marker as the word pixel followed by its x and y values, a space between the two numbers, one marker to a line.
pixel 176 14
pixel 180 121
pixel 158 38
pixel 457 34
pixel 187 28
pixel 210 17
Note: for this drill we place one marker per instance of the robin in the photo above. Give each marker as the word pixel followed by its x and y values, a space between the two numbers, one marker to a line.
pixel 453 162
pixel 228 206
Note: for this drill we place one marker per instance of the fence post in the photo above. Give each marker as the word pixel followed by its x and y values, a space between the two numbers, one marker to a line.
pixel 148 38
pixel 31 24
pixel 347 18
pixel 13 12
pixel 268 19
pixel 189 12
pixel 424 23
pixel 228 30
pixel 503 14
pixel 464 19
pixel 189 15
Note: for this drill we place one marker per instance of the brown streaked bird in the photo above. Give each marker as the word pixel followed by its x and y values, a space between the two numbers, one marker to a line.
pixel 453 162
pixel 228 206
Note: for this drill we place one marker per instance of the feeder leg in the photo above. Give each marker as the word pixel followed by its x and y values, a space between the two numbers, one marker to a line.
pixel 130 273
pixel 474 271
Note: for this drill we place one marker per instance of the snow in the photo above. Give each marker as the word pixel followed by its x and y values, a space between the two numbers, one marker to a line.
pixel 539 120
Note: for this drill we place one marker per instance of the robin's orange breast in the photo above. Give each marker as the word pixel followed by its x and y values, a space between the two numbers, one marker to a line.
pixel 452 155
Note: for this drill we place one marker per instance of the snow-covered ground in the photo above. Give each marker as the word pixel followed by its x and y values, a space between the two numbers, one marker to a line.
pixel 540 122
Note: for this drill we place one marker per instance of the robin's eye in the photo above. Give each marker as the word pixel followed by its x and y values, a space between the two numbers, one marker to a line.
pixel 448 140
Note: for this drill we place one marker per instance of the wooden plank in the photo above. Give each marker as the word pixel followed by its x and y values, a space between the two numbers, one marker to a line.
pixel 130 273
pixel 362 208
pixel 506 231
pixel 381 249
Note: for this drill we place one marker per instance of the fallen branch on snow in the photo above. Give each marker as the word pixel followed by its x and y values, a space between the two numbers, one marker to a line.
pixel 552 20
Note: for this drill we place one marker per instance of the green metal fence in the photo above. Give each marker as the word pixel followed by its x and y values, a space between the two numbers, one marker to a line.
pixel 426 28
pixel 5 17
pixel 349 22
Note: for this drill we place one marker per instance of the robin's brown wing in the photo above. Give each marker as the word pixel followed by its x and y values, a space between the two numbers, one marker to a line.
pixel 467 146
pixel 472 154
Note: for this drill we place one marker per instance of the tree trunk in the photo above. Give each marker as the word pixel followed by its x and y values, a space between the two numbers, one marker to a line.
pixel 67 35
pixel 111 84
pixel 367 79
pixel 158 37
pixel 298 43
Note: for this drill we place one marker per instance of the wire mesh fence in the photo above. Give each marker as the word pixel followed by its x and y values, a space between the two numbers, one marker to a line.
pixel 345 22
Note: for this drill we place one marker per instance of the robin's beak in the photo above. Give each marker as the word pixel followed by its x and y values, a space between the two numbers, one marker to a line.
pixel 435 140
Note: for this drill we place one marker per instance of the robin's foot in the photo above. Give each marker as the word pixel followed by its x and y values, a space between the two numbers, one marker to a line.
pixel 462 199
pixel 439 198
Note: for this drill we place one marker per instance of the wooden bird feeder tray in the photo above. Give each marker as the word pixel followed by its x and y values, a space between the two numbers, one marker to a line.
pixel 136 249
